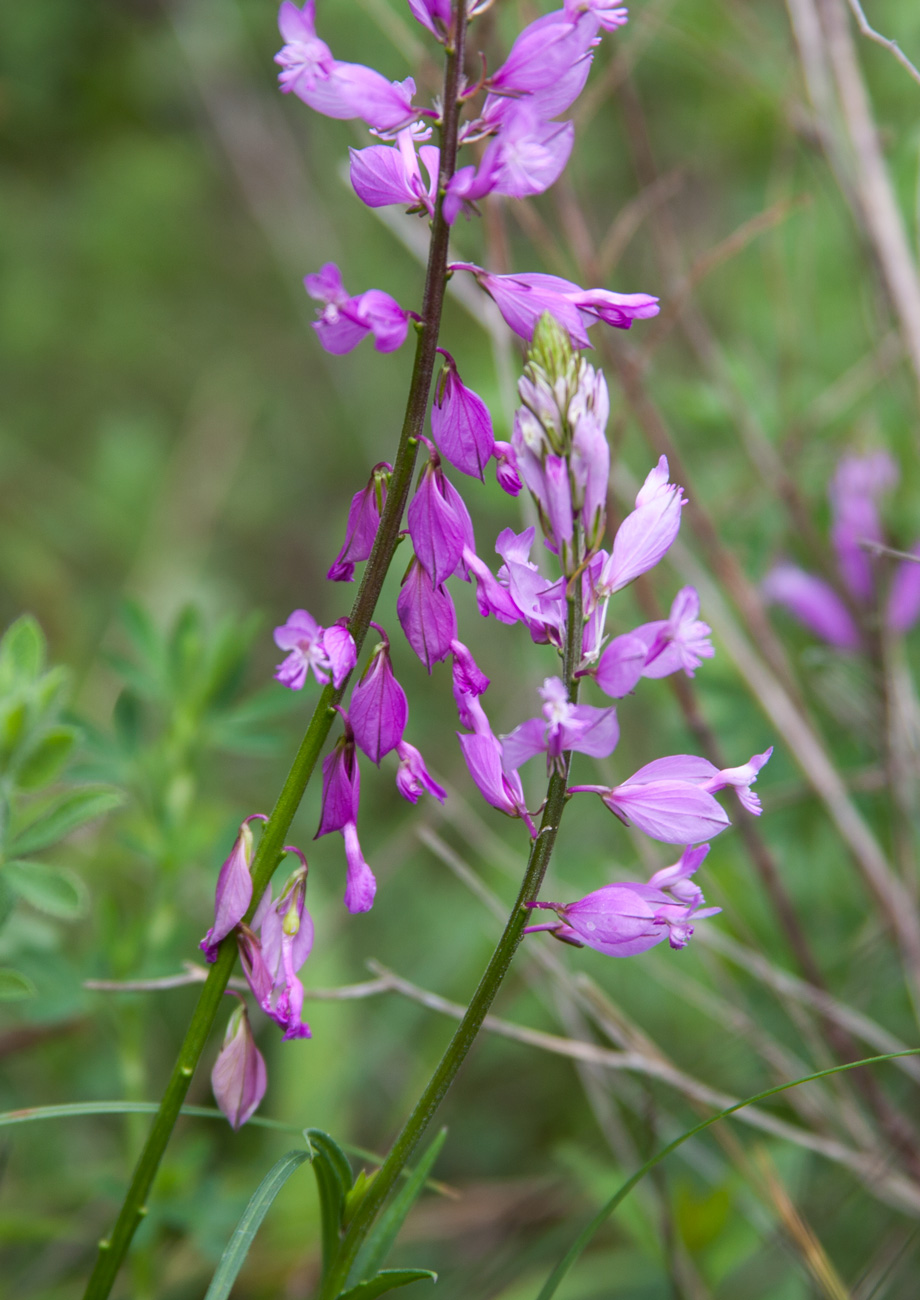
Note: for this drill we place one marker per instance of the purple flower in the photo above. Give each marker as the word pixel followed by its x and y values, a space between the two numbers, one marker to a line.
pixel 688 767
pixel 545 51
pixel 303 637
pixel 239 1078
pixel 621 665
pixel 674 811
pixel 234 890
pixel 679 641
pixel 491 596
pixel 363 522
pixel 413 777
pixel 522 300
pixel 342 90
pixel 341 796
pixel 564 726
pixel 433 14
pixel 645 536
pixel 623 920
pixel 903 608
pixel 426 615
pixel 439 523
pixel 286 943
pixel 385 174
pixel 526 157
pixel 378 710
pixel 506 473
pixel 340 649
pixel 461 423
pixel 467 674
pixel 814 603
pixel 609 16
pixel 854 491
pixel 482 751
pixel 342 321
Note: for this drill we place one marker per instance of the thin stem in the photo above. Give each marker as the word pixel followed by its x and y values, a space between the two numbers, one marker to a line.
pixel 113 1249
pixel 414 1130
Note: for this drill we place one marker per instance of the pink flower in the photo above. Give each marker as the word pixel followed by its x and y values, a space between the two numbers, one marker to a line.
pixel 461 423
pixel 645 536
pixel 378 710
pixel 426 615
pixel 363 522
pixel 341 797
pixel 564 726
pixel 239 1077
pixel 343 321
pixel 386 174
pixel 234 890
pixel 814 603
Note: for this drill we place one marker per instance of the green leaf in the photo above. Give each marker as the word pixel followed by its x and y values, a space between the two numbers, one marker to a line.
pixel 22 651
pixel 13 715
pixel 233 1258
pixel 381 1238
pixel 334 1181
pixel 388 1280
pixel 63 815
pixel 8 900
pixel 14 986
pixel 55 890
pixel 43 764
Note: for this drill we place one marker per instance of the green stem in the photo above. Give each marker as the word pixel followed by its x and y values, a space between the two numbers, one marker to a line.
pixel 541 851
pixel 113 1249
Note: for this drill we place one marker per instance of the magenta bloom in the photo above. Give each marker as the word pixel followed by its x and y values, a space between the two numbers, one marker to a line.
pixel 234 890
pixel 814 603
pixel 342 321
pixel 341 797
pixel 482 751
pixel 506 472
pixel 239 1078
pixel 623 920
pixel 386 174
pixel 439 523
pixel 522 300
pixel 609 16
pixel 413 778
pixel 544 52
pixel 526 157
pixel 426 615
pixel 461 423
pixel 564 726
pixel 645 536
pixel 286 943
pixel 363 522
pixel 467 675
pixel 433 14
pixel 342 90
pixel 378 710
pixel 656 649
pixel 327 651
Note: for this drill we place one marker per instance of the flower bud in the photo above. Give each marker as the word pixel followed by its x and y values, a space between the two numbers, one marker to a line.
pixel 239 1077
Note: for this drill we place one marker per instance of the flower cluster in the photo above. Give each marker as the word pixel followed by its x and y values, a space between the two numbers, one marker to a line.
pixel 839 616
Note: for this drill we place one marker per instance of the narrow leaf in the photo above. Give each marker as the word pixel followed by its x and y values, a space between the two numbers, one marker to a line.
pixel 64 815
pixel 551 1285
pixel 55 890
pixel 15 986
pixel 334 1181
pixel 382 1237
pixel 389 1280
pixel 237 1249
pixel 45 761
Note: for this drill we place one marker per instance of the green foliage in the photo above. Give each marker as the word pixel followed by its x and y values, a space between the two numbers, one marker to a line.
pixel 388 1280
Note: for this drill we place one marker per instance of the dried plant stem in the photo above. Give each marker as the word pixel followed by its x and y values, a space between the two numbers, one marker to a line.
pixel 113 1249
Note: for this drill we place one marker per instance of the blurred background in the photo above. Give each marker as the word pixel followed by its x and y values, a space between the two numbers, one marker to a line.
pixel 177 455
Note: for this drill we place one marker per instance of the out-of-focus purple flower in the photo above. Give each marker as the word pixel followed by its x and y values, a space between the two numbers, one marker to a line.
pixel 679 641
pixel 426 615
pixel 286 943
pixel 522 300
pixel 461 423
pixel 545 51
pixel 341 797
pixel 814 603
pixel 439 523
pixel 623 920
pixel 433 14
pixel 609 16
pixel 413 778
pixel 343 321
pixel 303 637
pixel 645 536
pixel 386 174
pixel 234 890
pixel 379 710
pixel 854 491
pixel 564 726
pixel 239 1078
pixel 363 522
pixel 506 469
pixel 336 89
pixel 903 607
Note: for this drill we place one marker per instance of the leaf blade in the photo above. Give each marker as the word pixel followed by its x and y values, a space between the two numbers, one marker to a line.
pixel 388 1280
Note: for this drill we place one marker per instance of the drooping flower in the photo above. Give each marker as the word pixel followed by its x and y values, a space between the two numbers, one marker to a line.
pixel 426 615
pixel 387 174
pixel 645 536
pixel 363 522
pixel 341 797
pixel 336 89
pixel 461 423
pixel 286 942
pixel 623 920
pixel 239 1078
pixel 564 726
pixel 343 321
pixel 506 473
pixel 413 778
pixel 482 750
pixel 234 890
pixel 522 300
pixel 439 523
pixel 378 710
